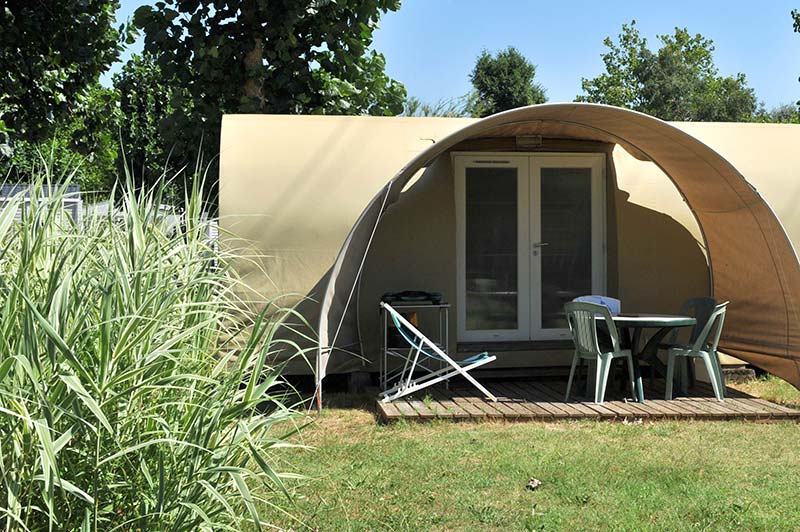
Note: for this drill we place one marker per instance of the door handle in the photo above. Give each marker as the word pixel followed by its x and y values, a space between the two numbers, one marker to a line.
pixel 540 244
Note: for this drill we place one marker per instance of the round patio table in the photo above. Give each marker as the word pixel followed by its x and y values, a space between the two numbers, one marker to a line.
pixel 628 323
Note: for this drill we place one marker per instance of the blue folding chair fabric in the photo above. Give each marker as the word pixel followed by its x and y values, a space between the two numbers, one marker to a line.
pixel 613 305
pixel 408 336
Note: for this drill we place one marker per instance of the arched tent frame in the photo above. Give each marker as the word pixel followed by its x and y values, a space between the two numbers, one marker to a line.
pixel 751 260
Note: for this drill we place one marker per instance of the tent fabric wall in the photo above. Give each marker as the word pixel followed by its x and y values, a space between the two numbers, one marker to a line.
pixel 292 187
pixel 753 263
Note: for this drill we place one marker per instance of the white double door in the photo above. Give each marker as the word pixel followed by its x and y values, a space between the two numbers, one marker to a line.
pixel 530 237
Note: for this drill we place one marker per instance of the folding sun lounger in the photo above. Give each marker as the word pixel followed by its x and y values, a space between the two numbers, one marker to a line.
pixel 421 346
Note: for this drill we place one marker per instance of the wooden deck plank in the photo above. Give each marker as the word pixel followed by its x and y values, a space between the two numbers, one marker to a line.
pixel 508 405
pixel 406 410
pixel 487 406
pixel 535 402
pixel 712 410
pixel 764 411
pixel 388 411
pixel 615 405
pixel 536 390
pixel 684 407
pixel 662 409
pixel 790 412
pixel 733 405
pixel 657 402
pixel 443 398
pixel 601 410
pixel 730 405
pixel 704 389
pixel 438 409
pixel 605 413
pixel 639 409
pixel 543 400
pixel 422 408
pixel 690 404
pixel 769 409
pixel 618 407
pixel 749 411
pixel 504 410
pixel 472 409
pixel 712 404
pixel 555 395
pixel 578 409
pixel 537 408
pixel 520 403
pixel 511 401
pixel 726 405
pixel 669 406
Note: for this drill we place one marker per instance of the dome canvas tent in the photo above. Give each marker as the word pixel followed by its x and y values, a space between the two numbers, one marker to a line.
pixel 751 261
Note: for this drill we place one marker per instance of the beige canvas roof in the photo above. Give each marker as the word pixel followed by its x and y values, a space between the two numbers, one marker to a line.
pixel 752 262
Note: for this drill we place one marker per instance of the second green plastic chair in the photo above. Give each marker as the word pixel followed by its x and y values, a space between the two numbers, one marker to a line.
pixel 704 348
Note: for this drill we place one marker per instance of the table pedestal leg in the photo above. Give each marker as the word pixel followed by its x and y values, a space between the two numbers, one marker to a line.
pixel 637 370
pixel 649 354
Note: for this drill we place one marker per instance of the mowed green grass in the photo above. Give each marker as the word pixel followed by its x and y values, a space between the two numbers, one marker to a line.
pixel 709 476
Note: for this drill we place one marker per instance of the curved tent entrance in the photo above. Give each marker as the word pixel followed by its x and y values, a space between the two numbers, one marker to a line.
pixel 751 260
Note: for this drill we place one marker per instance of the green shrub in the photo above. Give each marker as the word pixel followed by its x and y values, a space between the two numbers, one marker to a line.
pixel 130 398
pixel 85 144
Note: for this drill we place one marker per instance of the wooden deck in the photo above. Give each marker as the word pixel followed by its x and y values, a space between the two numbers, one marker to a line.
pixel 543 400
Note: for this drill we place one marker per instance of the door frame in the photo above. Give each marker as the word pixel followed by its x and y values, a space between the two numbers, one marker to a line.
pixel 528 190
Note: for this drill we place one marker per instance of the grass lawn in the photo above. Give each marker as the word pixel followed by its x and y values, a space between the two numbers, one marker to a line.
pixel 596 476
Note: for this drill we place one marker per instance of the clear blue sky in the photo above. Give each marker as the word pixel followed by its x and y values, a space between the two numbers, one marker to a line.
pixel 431 45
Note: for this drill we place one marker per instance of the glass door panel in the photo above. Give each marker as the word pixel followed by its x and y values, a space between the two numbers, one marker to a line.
pixel 568 228
pixel 492 294
pixel 493 235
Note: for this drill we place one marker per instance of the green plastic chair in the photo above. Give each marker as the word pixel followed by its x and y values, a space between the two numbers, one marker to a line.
pixel 701 309
pixel 583 326
pixel 705 350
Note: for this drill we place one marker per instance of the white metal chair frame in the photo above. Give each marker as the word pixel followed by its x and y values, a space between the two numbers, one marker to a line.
pixel 583 326
pixel 388 375
pixel 704 350
pixel 407 384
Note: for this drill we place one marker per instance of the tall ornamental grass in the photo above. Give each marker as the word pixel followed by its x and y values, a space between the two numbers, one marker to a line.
pixel 133 394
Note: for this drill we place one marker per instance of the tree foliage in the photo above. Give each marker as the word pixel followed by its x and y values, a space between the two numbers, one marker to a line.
pixel 257 56
pixel 504 81
pixel 82 147
pixel 51 53
pixel 449 108
pixel 786 113
pixel 679 81
pixel 796 26
pixel 146 105
pixel 796 20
